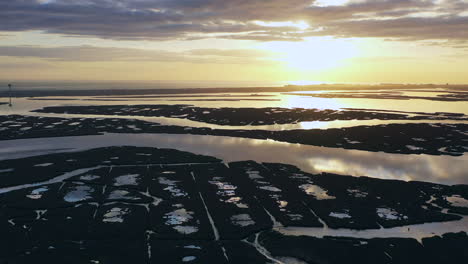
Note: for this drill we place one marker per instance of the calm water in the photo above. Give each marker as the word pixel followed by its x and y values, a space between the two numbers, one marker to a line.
pixel 313 159
pixel 441 169
pixel 276 100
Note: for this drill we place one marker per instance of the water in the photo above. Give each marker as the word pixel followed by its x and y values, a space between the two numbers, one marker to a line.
pixel 290 100
pixel 312 159
pixel 417 232
pixel 438 169
pixel 441 169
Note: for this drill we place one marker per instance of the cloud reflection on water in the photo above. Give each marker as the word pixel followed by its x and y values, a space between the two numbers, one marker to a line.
pixel 439 169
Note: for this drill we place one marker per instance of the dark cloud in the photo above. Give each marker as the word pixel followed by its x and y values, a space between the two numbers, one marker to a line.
pixel 415 28
pixel 236 19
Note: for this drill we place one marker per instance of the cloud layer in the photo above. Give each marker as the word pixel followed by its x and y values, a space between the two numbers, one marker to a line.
pixel 102 54
pixel 238 19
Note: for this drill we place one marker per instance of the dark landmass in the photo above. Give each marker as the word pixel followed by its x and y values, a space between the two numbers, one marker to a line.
pixel 57 99
pixel 287 88
pixel 432 139
pixel 165 100
pixel 189 96
pixel 224 97
pixel 444 114
pixel 147 205
pixel 221 100
pixel 452 97
pixel 246 116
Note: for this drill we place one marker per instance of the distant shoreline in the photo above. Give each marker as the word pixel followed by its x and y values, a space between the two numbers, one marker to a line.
pixel 287 88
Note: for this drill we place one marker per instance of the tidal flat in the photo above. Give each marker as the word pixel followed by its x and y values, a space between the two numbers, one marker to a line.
pixel 207 178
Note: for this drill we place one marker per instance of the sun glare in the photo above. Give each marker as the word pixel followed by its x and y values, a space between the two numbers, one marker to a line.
pixel 304 82
pixel 313 54
pixel 292 101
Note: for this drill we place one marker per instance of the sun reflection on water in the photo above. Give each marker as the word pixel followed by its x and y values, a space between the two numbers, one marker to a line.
pixel 293 101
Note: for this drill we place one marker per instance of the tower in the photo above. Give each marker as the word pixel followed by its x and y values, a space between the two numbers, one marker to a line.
pixel 9 93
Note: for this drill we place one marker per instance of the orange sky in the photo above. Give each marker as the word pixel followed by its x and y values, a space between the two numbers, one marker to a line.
pixel 405 41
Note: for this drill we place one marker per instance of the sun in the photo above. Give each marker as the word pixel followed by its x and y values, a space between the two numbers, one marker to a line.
pixel 313 54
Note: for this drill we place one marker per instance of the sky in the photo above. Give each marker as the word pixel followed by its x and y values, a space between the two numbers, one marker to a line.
pixel 295 41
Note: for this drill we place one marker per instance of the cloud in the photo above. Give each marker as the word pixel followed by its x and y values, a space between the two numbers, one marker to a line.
pixel 236 53
pixel 103 54
pixel 236 19
pixel 416 28
pixel 14 66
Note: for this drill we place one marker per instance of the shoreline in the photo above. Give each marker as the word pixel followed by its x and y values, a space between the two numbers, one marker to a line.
pixel 287 88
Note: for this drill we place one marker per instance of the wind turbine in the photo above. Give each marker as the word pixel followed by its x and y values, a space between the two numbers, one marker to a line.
pixel 9 92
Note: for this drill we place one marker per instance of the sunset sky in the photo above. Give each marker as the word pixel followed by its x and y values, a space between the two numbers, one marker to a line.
pixel 404 41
